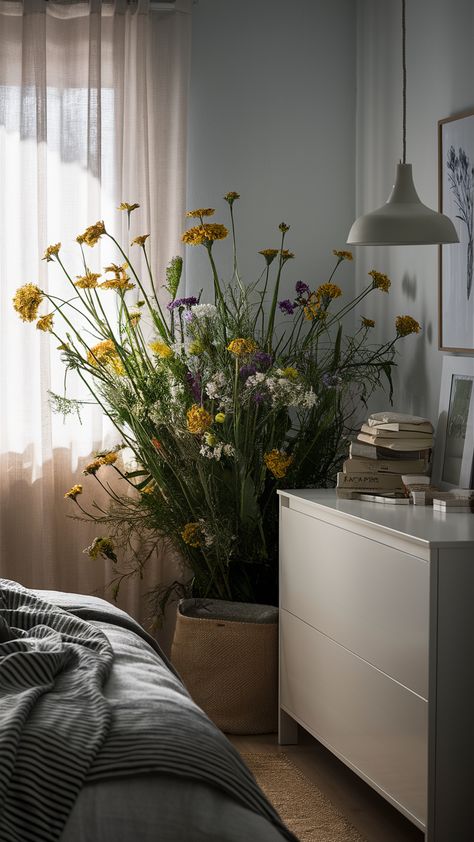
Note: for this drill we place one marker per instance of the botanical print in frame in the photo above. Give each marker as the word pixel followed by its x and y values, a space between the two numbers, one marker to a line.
pixel 454 446
pixel 456 262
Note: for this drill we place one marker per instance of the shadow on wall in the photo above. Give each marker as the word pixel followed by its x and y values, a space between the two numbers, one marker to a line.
pixel 409 395
pixel 409 286
pixel 42 541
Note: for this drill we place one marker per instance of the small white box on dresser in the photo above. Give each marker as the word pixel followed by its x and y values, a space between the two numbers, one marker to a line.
pixel 377 649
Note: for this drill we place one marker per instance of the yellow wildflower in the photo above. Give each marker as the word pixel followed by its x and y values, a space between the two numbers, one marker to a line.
pixel 231 197
pixel 328 291
pixel 87 281
pixel 290 373
pixel 93 467
pixel 48 255
pixel 204 234
pixel 380 281
pixel 240 347
pixel 269 254
pixel 120 279
pixel 118 270
pixel 196 347
pixel 161 349
pixel 135 317
pixel 312 310
pixel 210 439
pixel 92 235
pixel 102 547
pixel 105 353
pixel 343 255
pixel 45 322
pixel 26 302
pixel 219 418
pixel 149 489
pixel 277 462
pixel 192 534
pixel 117 283
pixel 198 419
pixel 126 207
pixel 201 212
pixel 368 322
pixel 405 325
pixel 286 255
pixel 107 459
pixel 140 240
pixel 74 492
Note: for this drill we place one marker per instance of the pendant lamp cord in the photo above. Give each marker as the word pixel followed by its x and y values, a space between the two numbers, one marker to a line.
pixel 404 67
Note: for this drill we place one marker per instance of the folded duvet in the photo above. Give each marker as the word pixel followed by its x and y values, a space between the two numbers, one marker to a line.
pixel 58 731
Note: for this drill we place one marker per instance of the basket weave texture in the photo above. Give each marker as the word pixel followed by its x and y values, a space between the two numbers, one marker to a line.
pixel 230 667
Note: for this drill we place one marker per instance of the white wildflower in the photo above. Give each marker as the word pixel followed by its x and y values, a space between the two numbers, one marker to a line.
pixel 208 538
pixel 203 311
pixel 217 451
pixel 256 380
pixel 309 399
pixel 215 384
pixel 211 452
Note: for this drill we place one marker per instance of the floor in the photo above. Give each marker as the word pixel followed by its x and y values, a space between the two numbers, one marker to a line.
pixel 374 817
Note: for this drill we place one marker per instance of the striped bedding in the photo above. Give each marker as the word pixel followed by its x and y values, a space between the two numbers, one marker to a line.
pixel 87 706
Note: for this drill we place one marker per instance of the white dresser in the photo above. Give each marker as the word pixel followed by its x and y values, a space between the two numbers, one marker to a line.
pixel 377 648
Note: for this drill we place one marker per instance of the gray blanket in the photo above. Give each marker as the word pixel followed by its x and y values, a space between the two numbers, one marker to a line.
pixel 58 731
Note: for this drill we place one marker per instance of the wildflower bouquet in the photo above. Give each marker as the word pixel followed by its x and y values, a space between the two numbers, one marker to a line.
pixel 220 402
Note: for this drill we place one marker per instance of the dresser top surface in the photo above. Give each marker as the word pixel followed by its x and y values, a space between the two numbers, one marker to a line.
pixel 420 523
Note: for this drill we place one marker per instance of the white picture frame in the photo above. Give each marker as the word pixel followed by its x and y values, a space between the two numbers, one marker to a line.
pixel 456 261
pixel 453 452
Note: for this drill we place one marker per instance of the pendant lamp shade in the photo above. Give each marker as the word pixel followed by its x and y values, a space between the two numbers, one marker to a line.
pixel 403 220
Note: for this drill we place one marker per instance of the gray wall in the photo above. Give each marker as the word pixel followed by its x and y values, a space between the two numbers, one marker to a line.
pixel 440 74
pixel 272 116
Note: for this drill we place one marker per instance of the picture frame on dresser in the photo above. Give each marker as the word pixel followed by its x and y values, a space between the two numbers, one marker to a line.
pixel 453 453
pixel 456 261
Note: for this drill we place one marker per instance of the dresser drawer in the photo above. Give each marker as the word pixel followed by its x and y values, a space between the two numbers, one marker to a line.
pixel 370 721
pixel 369 597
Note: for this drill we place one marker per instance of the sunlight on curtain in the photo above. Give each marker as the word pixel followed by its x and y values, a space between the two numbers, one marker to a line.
pixel 92 113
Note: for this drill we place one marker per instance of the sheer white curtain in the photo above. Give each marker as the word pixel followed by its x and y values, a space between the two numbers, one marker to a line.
pixel 92 113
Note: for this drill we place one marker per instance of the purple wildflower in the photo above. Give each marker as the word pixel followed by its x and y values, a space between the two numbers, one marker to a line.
pixel 331 380
pixel 262 360
pixel 182 302
pixel 301 288
pixel 287 306
pixel 247 370
pixel 194 382
pixel 188 316
pixel 258 397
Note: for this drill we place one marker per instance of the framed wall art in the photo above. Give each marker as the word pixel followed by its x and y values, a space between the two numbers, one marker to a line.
pixel 456 261
pixel 453 453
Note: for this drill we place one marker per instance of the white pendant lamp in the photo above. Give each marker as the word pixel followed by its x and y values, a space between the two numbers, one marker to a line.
pixel 403 220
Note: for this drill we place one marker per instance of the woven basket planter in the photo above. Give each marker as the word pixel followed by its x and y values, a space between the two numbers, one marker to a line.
pixel 227 656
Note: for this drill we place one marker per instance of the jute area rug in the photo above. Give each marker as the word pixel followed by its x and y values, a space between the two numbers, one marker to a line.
pixel 301 805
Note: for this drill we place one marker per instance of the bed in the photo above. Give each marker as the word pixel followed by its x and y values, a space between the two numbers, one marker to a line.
pixel 100 741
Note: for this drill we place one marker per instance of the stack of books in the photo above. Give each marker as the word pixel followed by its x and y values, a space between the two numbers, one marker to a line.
pixel 389 445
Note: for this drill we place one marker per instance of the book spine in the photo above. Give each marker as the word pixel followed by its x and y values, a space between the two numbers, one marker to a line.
pixel 364 450
pixel 369 481
pixel 389 466
pixel 387 432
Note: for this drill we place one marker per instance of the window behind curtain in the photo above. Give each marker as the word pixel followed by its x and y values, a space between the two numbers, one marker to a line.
pixel 92 113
